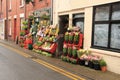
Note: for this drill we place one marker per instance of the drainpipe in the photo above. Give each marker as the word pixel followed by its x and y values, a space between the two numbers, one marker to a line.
pixel 25 9
pixel 51 18
pixel 6 19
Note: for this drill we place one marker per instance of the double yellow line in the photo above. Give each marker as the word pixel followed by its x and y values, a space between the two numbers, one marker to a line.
pixel 48 65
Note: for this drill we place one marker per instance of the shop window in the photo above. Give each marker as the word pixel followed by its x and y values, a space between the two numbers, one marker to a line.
pixel 78 21
pixel 106 27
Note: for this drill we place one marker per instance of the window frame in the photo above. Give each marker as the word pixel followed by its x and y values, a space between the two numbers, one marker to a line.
pixel 22 3
pixel 109 22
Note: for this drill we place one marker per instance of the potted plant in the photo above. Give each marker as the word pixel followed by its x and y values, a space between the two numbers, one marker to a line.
pixel 65 50
pixel 103 65
pixel 70 51
pixel 76 38
pixel 74 52
pixel 22 33
pixel 66 37
pixel 71 36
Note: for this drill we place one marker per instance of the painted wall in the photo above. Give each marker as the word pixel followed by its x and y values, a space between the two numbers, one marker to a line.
pixel 70 7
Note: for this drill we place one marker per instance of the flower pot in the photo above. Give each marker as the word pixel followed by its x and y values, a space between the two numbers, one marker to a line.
pixel 103 68
pixel 97 66
pixel 90 64
pixel 82 62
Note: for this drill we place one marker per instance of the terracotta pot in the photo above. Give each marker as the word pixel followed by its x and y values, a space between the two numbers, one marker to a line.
pixel 103 68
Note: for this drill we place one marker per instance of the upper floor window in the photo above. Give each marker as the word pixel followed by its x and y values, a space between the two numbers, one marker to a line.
pixel 21 3
pixel 106 27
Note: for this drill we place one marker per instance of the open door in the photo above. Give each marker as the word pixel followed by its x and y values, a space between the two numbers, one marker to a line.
pixel 63 25
pixel 15 29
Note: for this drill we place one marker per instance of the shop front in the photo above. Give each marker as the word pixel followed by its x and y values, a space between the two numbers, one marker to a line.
pixel 99 23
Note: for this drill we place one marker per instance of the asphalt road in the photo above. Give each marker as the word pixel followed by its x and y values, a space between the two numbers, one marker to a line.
pixel 14 66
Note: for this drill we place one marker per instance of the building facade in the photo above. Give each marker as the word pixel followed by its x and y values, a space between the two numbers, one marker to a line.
pixel 99 21
pixel 13 12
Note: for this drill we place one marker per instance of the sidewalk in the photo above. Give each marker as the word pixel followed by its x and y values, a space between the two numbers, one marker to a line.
pixel 82 71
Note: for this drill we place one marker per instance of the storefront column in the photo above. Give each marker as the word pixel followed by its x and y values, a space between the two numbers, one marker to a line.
pixel 70 20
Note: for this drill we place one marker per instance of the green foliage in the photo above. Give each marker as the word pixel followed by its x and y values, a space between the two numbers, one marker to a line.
pixel 25 22
pixel 76 37
pixel 74 52
pixel 27 1
pixel 69 50
pixel 102 63
pixel 71 37
pixel 22 33
pixel 66 37
pixel 31 17
pixel 64 50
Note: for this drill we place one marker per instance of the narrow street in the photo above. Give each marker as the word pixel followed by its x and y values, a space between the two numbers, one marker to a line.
pixel 14 66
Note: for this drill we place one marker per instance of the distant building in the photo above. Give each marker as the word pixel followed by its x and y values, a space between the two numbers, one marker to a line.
pixel 14 11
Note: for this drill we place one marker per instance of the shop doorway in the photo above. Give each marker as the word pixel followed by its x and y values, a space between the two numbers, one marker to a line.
pixel 63 25
pixel 78 21
pixel 6 30
pixel 15 29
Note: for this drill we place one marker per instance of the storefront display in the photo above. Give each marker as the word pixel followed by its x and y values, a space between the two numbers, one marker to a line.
pixel 72 42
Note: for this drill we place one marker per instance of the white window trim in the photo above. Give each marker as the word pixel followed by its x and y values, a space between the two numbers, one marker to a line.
pixel 10 7
pixel 22 5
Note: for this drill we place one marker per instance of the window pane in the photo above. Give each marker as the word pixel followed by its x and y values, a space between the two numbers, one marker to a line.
pixel 102 14
pixel 115 36
pixel 116 12
pixel 101 35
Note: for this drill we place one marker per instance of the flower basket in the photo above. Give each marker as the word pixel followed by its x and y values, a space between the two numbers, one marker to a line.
pixel 70 51
pixel 73 61
pixel 74 52
pixel 65 51
pixel 71 37
pixel 66 37
pixel 76 38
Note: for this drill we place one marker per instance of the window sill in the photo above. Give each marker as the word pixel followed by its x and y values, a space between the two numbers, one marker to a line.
pixel 10 10
pixel 21 6
pixel 108 52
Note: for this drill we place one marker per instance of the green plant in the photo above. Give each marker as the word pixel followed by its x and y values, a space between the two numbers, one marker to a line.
pixel 22 33
pixel 70 51
pixel 102 63
pixel 76 37
pixel 74 52
pixel 71 36
pixel 64 50
pixel 25 22
pixel 31 17
pixel 27 1
pixel 66 37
